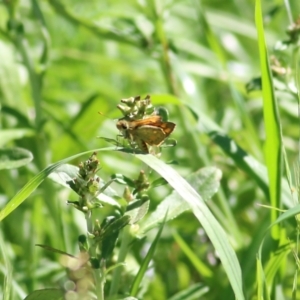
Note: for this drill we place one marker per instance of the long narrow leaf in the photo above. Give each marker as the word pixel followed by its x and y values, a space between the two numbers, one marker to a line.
pixel 197 263
pixel 242 159
pixel 144 266
pixel 31 185
pixel 213 229
pixel 263 286
pixel 273 144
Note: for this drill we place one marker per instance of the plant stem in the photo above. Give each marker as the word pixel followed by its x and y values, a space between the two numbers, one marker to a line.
pixel 126 239
pixel 89 222
pixel 99 275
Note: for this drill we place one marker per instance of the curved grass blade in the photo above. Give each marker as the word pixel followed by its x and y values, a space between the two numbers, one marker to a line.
pixel 286 215
pixel 31 185
pixel 213 229
pixel 265 279
pixel 205 181
pixel 242 159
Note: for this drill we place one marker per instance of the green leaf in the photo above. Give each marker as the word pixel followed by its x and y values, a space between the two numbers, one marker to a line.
pixel 31 185
pixel 158 182
pixel 46 294
pixel 108 140
pixel 141 273
pixel 115 226
pixel 66 172
pixel 213 229
pixel 8 283
pixel 242 159
pixel 205 181
pixel 104 32
pixel 277 261
pixel 262 292
pixel 292 212
pixel 265 279
pixel 137 210
pixel 202 269
pixel 10 83
pixel 110 235
pixel 273 143
pixel 12 158
pixel 54 250
pixel 122 179
pixel 194 291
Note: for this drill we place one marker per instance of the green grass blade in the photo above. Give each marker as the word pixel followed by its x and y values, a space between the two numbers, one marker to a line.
pixel 265 279
pixel 205 181
pixel 31 185
pixel 138 278
pixel 286 215
pixel 262 293
pixel 242 159
pixel 213 229
pixel 277 261
pixel 192 292
pixel 7 270
pixel 196 262
pixel 10 286
pixel 273 144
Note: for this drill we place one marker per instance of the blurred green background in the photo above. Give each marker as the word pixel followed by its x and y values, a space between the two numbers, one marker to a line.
pixel 62 62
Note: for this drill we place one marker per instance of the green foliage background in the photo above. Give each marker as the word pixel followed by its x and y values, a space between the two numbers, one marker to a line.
pixel 62 62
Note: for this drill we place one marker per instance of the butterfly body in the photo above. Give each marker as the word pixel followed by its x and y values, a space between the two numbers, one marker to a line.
pixel 151 130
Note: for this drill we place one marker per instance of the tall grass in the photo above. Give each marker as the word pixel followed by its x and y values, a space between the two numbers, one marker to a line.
pixel 222 217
